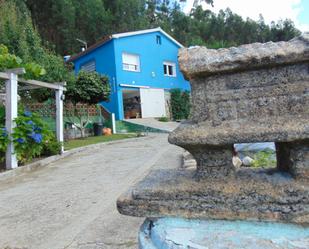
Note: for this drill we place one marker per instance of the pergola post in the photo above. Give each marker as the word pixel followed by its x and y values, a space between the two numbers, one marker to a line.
pixel 11 102
pixel 114 123
pixel 59 117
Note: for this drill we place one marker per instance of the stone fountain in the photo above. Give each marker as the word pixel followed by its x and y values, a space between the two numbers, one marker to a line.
pixel 246 94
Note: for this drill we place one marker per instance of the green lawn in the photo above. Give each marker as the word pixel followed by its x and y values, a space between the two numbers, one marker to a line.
pixel 72 144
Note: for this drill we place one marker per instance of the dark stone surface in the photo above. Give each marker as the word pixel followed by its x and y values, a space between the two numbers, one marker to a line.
pixel 249 194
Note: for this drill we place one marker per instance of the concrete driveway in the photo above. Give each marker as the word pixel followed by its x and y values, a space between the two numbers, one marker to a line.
pixel 154 123
pixel 72 202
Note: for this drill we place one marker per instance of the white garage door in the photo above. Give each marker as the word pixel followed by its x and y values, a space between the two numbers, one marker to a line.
pixel 152 102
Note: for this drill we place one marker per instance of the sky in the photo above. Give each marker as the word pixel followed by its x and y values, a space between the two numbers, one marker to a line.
pixel 272 10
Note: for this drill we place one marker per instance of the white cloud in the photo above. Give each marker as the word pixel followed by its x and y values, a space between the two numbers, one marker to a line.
pixel 272 10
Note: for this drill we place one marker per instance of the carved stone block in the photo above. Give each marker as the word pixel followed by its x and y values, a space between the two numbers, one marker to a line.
pixel 252 93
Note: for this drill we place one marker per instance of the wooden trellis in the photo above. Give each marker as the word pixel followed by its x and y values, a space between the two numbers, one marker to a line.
pixel 49 110
pixel 11 101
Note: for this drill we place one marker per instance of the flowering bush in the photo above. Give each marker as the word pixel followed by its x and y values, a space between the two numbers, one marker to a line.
pixel 4 141
pixel 29 136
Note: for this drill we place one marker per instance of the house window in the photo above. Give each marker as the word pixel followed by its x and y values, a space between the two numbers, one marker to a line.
pixel 88 66
pixel 158 39
pixel 130 62
pixel 169 69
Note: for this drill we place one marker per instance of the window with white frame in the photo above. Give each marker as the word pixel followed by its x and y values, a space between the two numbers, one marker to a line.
pixel 169 69
pixel 130 62
pixel 88 66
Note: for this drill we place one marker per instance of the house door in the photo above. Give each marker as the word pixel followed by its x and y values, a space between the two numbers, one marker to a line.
pixel 152 102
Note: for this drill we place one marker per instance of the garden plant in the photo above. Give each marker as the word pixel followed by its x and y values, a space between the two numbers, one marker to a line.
pixel 180 103
pixel 89 88
pixel 31 138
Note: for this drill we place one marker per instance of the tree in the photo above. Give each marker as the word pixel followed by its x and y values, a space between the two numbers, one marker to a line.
pixel 60 22
pixel 89 88
pixel 198 2
pixel 9 61
pixel 19 35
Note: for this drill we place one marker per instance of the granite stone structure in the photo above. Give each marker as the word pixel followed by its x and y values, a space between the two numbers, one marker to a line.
pixel 251 93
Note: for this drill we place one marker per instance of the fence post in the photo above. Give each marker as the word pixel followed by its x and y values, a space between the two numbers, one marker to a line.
pixel 114 123
pixel 11 99
pixel 59 117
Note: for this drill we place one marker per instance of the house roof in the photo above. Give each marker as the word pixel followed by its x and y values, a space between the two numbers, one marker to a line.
pixel 121 35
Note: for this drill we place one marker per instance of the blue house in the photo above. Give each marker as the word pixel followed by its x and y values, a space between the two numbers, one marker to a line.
pixel 142 67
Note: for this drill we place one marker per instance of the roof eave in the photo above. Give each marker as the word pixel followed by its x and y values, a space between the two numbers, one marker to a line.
pixel 90 49
pixel 140 32
pixel 121 35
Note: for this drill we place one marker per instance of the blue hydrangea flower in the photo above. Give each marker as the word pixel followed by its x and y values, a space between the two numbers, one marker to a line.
pixel 37 129
pixel 30 122
pixel 27 114
pixel 37 137
pixel 20 140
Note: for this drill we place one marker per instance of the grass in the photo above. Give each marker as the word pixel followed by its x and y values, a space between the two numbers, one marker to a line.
pixel 76 143
pixel 163 119
pixel 264 159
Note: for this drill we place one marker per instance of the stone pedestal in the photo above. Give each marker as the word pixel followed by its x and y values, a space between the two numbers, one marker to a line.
pixel 252 93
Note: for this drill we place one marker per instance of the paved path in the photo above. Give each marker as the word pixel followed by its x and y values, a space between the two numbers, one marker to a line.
pixel 154 123
pixel 72 203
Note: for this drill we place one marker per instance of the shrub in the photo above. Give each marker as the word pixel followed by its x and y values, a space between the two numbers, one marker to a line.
pixel 89 88
pixel 9 61
pixel 180 103
pixel 51 147
pixel 29 136
pixel 4 141
pixel 264 159
pixel 2 115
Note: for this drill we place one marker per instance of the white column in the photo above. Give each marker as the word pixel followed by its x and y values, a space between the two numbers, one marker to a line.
pixel 114 123
pixel 59 116
pixel 10 114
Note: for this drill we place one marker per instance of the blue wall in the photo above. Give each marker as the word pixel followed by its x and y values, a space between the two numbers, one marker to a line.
pixel 152 56
pixel 108 59
pixel 105 64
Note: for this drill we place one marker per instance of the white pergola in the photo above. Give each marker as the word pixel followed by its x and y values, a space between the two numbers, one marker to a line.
pixel 11 100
